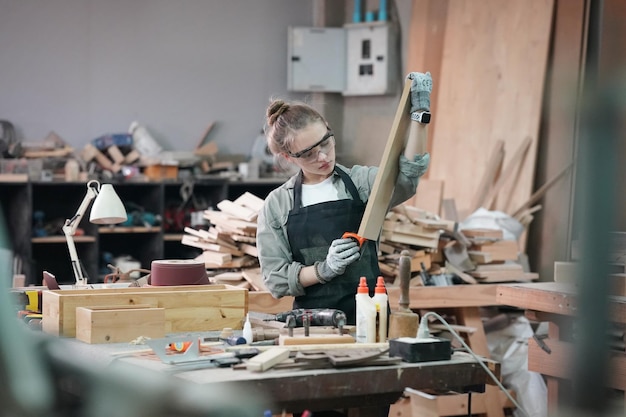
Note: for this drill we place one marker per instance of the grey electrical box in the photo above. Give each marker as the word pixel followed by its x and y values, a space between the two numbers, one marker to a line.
pixel 316 59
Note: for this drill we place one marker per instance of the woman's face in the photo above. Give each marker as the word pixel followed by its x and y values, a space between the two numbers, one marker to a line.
pixel 313 150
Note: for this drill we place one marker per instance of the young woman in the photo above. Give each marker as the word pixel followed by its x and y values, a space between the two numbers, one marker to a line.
pixel 299 236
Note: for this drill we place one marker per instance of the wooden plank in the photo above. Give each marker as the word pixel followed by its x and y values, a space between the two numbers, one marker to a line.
pixel 504 276
pixel 488 45
pixel 317 339
pixel 264 302
pixel 378 202
pixel 426 48
pixel 452 296
pixel 513 167
pixel 552 297
pixel 255 278
pixel 548 297
pixel 266 360
pixel 558 362
pixel 494 164
pixel 214 247
pixel 238 211
pixel 480 257
pixel 250 201
pixel 119 324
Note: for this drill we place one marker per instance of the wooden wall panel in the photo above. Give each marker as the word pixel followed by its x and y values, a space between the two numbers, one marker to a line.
pixel 425 46
pixel 490 88
pixel 550 231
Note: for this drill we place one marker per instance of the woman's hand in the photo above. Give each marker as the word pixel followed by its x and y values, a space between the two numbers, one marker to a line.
pixel 342 252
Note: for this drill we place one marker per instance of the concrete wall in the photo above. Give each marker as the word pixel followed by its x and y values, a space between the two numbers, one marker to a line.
pixel 83 68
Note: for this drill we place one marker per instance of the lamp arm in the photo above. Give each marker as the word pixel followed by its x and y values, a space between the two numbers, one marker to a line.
pixel 70 226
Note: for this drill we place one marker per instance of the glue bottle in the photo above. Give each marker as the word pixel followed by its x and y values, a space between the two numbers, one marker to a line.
pixel 365 314
pixel 247 330
pixel 381 301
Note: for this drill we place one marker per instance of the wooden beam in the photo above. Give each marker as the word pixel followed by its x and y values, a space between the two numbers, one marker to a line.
pixel 452 296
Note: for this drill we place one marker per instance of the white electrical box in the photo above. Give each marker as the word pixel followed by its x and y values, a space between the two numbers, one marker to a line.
pixel 372 59
pixel 316 59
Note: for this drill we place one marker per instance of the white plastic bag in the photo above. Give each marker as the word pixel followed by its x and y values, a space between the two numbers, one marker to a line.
pixel 509 346
pixel 497 220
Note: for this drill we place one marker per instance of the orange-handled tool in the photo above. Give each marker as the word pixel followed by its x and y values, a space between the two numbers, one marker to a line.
pixel 359 239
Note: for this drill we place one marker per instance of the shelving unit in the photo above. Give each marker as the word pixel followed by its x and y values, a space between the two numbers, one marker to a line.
pixel 146 237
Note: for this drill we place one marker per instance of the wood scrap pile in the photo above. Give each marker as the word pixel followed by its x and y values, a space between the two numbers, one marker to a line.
pixel 439 250
pixel 229 245
pixel 442 254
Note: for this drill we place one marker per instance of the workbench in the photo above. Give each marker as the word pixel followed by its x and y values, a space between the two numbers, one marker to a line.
pixel 556 304
pixel 294 389
pixel 464 303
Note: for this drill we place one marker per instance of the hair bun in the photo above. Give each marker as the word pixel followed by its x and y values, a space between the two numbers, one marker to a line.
pixel 275 109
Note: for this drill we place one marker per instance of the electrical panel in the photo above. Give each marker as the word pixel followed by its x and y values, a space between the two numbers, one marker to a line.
pixel 357 59
pixel 316 59
pixel 372 61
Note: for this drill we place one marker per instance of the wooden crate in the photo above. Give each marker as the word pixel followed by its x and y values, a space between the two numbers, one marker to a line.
pixel 118 324
pixel 187 307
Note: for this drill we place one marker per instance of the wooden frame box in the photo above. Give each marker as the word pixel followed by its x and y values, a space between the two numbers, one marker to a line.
pixel 118 324
pixel 187 308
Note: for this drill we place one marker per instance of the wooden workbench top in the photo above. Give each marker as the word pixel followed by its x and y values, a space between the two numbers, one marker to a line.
pixel 451 296
pixel 553 297
pixel 297 389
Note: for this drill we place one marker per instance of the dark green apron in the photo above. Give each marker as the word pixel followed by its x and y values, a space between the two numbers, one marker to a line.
pixel 312 229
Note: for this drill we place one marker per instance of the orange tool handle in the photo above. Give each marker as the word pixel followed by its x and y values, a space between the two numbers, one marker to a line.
pixel 360 240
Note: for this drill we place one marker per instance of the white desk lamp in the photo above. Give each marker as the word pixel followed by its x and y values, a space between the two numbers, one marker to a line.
pixel 107 209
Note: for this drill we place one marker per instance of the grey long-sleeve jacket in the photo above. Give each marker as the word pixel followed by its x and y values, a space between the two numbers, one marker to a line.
pixel 280 271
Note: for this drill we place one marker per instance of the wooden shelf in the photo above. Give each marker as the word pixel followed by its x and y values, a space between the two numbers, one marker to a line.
pixel 56 199
pixel 133 229
pixel 61 239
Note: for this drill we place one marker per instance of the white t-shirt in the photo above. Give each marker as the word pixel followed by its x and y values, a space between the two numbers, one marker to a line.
pixel 319 193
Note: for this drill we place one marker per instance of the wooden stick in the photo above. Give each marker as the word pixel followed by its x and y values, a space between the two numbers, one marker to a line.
pixel 515 163
pixel 537 195
pixel 489 177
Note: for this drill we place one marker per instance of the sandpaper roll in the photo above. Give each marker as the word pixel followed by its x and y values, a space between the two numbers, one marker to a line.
pixel 167 272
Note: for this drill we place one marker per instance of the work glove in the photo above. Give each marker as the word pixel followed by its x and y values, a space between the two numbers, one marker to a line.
pixel 415 167
pixel 342 252
pixel 421 87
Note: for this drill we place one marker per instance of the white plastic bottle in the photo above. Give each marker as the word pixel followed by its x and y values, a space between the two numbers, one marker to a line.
pixel 143 140
pixel 365 314
pixel 247 330
pixel 381 301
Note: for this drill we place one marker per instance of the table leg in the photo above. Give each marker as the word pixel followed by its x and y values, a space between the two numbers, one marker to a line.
pixel 477 341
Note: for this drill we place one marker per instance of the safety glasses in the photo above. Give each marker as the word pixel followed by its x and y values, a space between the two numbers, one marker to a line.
pixel 309 154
